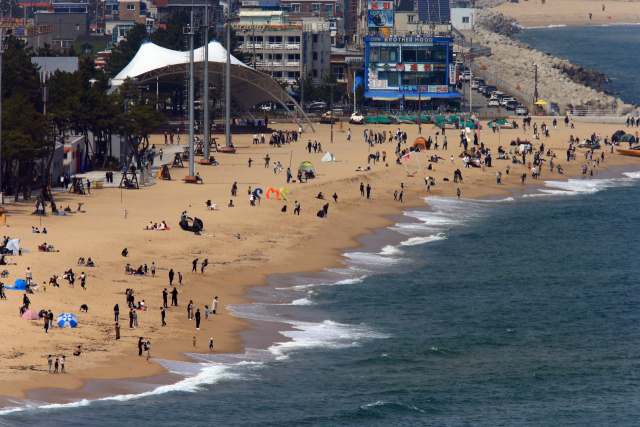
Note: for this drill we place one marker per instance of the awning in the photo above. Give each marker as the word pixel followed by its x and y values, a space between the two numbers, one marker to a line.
pixel 390 96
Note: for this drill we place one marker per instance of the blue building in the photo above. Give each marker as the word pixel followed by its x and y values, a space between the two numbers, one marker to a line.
pixel 401 67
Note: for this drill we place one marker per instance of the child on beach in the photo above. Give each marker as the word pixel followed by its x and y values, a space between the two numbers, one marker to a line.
pixel 194 340
pixel 211 344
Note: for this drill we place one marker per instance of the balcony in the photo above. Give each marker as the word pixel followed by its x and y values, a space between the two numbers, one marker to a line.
pixel 292 64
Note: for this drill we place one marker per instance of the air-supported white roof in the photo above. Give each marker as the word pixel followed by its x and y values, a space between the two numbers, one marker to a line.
pixel 248 86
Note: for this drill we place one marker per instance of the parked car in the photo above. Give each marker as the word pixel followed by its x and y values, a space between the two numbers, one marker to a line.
pixel 482 88
pixel 476 83
pixel 493 102
pixel 511 105
pixel 521 110
pixel 317 106
pixel 489 91
pixel 506 99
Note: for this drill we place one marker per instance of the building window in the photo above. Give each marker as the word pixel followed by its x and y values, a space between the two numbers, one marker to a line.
pixel 374 54
pixel 295 8
pixel 315 38
pixel 410 18
pixel 389 54
pixel 315 8
pixel 432 78
pixel 131 7
pixel 329 9
pixel 315 74
pixel 333 40
pixel 409 54
pixel 338 72
pixel 390 76
pixel 465 19
pixel 337 8
pixel 315 56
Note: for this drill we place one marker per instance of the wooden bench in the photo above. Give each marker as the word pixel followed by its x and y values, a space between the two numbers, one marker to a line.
pixel 192 180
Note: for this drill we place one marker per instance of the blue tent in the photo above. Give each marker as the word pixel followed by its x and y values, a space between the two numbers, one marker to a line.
pixel 20 285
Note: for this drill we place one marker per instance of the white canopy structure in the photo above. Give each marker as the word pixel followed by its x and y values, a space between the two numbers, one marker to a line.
pixel 248 86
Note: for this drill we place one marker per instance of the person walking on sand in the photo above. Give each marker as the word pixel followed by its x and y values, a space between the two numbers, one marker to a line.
pixel 361 189
pixel 62 371
pixel 83 279
pixel 162 313
pixel 49 361
pixel 165 294
pixel 174 297
pixel 297 208
pixel 458 191
pixel 210 348
pixel 28 277
pixel 204 264
pixel 198 319
pixel 147 348
pixel 214 306
pixel 400 196
pixel 171 277
pixel 194 264
pixel 194 340
pixel 368 190
pixel 26 301
pixel 131 318
pixel 153 269
pixel 117 327
pixel 135 319
pixel 179 278
pixel 55 366
pixel 190 310
pixel 140 345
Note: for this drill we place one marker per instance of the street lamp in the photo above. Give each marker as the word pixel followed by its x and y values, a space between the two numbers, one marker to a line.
pixel 419 106
pixel 332 85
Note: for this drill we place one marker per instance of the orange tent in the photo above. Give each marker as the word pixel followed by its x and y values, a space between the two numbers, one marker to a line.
pixel 420 143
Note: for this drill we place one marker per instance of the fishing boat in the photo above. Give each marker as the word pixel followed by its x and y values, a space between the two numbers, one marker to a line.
pixel 633 151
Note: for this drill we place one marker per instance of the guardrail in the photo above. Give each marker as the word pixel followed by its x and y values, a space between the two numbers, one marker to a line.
pixel 504 86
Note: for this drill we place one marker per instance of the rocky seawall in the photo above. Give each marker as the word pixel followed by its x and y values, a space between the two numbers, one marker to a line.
pixel 559 81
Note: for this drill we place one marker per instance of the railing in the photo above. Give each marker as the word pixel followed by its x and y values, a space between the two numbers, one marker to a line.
pixel 504 86
pixel 292 64
pixel 286 46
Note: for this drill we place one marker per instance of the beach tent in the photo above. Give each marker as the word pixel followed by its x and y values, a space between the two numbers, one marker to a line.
pixel 30 315
pixel 14 246
pixel 407 118
pixel 370 119
pixel 420 143
pixel 382 120
pixel 19 285
pixel 627 138
pixel 307 166
pixel 67 320
pixel 328 157
pixel 393 119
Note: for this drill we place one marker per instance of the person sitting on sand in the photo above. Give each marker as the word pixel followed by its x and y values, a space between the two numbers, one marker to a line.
pixel 81 261
pixel 320 196
pixel 230 205
pixel 139 271
pixel 150 226
pixel 125 252
pixel 77 351
pixel 162 226
pixel 44 231
pixel 90 263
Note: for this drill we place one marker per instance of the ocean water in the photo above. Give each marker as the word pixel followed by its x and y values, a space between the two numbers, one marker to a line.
pixel 605 48
pixel 522 311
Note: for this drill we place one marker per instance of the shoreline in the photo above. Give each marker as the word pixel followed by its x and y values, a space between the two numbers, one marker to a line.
pixel 321 249
pixel 370 242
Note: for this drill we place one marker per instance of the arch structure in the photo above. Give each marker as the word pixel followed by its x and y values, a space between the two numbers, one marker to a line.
pixel 248 86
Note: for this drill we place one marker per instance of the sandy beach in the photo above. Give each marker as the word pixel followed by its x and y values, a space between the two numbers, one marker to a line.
pixel 571 12
pixel 269 242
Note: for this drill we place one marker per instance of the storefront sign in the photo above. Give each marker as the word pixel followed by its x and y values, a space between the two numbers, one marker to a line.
pixel 380 14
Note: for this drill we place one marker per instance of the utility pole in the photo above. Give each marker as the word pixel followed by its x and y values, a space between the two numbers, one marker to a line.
pixel 535 90
pixel 332 85
pixel 419 106
pixel 192 166
pixel 227 85
pixel 205 82
pixel 1 52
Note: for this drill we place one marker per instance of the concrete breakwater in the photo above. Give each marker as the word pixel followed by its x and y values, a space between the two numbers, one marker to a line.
pixel 559 81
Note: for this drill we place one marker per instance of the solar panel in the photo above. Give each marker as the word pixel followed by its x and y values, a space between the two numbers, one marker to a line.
pixel 434 11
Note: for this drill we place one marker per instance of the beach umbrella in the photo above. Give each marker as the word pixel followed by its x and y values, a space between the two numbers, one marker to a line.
pixel 540 102
pixel 13 245
pixel 67 320
pixel 30 315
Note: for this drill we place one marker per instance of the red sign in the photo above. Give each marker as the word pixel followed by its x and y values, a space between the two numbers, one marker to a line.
pixel 400 66
pixel 414 67
pixel 427 67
